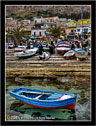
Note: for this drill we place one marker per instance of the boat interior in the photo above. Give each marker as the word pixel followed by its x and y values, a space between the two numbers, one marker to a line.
pixel 34 96
pixel 44 96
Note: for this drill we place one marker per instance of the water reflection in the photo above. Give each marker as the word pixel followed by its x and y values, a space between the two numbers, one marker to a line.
pixel 69 85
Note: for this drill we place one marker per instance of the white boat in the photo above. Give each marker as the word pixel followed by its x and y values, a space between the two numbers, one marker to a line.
pixel 24 54
pixel 44 56
pixel 69 54
pixel 35 49
pixel 20 48
pixel 76 49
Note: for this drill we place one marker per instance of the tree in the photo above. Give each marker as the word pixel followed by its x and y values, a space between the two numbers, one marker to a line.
pixel 18 34
pixel 56 32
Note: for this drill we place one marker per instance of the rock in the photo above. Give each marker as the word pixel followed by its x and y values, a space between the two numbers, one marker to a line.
pixel 63 79
pixel 36 114
pixel 83 111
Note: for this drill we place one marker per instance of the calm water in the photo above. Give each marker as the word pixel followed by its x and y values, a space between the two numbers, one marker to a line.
pixel 15 110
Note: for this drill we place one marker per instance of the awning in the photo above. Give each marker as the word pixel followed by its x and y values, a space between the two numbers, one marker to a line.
pixel 33 37
pixel 14 39
pixel 41 37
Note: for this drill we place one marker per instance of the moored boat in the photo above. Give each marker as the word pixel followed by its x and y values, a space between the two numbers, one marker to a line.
pixel 45 48
pixel 34 49
pixel 70 54
pixel 44 56
pixel 63 46
pixel 20 48
pixel 24 54
pixel 44 99
pixel 81 54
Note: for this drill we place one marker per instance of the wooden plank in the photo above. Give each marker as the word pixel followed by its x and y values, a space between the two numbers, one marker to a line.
pixel 32 92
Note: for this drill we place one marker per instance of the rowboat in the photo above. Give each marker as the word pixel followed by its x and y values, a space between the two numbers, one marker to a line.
pixel 44 56
pixel 76 49
pixel 24 54
pixel 20 48
pixel 69 54
pixel 81 54
pixel 45 48
pixel 34 49
pixel 44 99
pixel 63 46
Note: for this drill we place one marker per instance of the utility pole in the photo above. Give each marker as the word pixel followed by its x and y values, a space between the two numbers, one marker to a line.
pixel 82 9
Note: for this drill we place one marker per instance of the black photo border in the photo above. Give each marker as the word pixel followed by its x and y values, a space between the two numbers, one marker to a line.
pixel 93 87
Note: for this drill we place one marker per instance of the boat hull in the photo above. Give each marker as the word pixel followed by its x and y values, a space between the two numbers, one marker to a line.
pixel 71 106
pixel 63 47
pixel 22 56
pixel 45 49
pixel 48 104
pixel 81 54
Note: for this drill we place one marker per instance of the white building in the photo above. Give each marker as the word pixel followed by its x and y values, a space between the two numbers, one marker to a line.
pixel 79 30
pixel 38 32
pixel 26 22
pixel 40 20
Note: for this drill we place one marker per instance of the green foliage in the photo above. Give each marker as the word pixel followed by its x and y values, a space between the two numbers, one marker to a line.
pixel 18 34
pixel 56 32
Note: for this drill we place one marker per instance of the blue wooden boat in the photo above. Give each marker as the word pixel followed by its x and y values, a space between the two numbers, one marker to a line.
pixel 81 54
pixel 44 99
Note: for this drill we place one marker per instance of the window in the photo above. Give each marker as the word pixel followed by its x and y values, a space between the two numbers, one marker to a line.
pixel 35 21
pixel 86 30
pixel 44 21
pixel 71 30
pixel 78 30
pixel 50 20
pixel 39 33
pixel 34 33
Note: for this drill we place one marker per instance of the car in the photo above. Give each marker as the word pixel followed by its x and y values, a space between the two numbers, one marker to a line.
pixel 10 45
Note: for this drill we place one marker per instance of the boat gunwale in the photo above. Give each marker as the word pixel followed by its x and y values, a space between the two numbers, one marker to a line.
pixel 73 97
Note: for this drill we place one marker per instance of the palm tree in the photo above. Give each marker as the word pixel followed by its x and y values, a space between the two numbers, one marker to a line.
pixel 56 32
pixel 18 34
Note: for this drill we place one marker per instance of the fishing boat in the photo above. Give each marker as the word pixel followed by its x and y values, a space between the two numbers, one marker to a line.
pixel 70 54
pixel 63 46
pixel 45 48
pixel 20 48
pixel 34 49
pixel 44 56
pixel 81 54
pixel 89 50
pixel 78 48
pixel 44 99
pixel 24 54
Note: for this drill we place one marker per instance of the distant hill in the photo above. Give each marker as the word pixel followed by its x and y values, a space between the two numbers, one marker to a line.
pixel 29 12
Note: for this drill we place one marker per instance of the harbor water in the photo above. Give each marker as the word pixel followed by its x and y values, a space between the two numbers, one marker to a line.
pixel 15 110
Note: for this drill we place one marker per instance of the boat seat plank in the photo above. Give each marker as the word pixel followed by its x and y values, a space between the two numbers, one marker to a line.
pixel 37 97
pixel 32 92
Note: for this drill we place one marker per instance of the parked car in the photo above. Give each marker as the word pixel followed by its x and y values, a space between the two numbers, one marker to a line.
pixel 10 45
